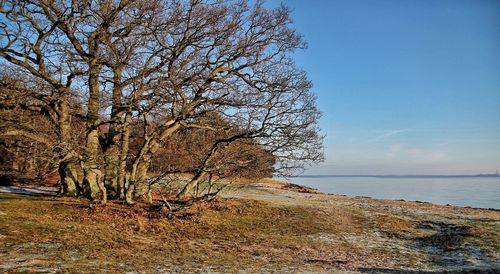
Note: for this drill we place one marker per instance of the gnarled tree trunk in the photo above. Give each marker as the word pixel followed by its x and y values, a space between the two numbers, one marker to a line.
pixel 140 176
pixel 69 179
pixel 68 174
pixel 112 158
pixel 124 147
pixel 112 153
pixel 91 170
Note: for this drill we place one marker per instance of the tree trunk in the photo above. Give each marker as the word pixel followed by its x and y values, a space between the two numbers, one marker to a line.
pixel 69 179
pixel 112 158
pixel 112 154
pixel 68 166
pixel 139 177
pixel 122 171
pixel 198 178
pixel 91 171
pixel 140 167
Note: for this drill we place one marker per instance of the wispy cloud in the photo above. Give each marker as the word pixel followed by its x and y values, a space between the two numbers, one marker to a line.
pixel 385 135
pixel 405 153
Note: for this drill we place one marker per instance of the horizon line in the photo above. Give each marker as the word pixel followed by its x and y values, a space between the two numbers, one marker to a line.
pixel 401 175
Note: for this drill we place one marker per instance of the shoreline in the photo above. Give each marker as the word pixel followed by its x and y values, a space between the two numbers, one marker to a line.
pixel 276 184
pixel 464 192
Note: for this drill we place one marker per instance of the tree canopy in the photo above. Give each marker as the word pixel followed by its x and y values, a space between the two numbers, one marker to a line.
pixel 211 82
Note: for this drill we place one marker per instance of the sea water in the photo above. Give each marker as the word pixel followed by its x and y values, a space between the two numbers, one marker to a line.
pixel 483 192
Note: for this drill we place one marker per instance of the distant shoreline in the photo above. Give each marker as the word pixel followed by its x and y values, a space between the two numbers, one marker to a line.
pixel 400 176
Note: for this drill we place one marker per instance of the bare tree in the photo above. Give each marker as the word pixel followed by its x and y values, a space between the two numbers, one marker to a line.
pixel 233 60
pixel 52 39
pixel 31 43
pixel 131 56
pixel 173 65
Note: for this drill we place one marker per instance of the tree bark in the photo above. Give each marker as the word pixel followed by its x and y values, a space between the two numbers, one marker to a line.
pixel 112 153
pixel 140 176
pixel 140 167
pixel 112 158
pixel 198 178
pixel 91 171
pixel 69 179
pixel 124 147
pixel 68 174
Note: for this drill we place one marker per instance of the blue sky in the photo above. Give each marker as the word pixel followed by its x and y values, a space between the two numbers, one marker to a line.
pixel 405 87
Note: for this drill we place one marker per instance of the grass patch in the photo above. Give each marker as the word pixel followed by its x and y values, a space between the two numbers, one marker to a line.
pixel 67 232
pixel 224 235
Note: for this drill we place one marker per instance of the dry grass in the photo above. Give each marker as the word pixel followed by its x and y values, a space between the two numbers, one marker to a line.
pixel 316 234
pixel 40 232
pixel 395 223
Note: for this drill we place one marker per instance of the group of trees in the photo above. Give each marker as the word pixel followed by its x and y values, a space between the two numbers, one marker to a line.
pixel 117 90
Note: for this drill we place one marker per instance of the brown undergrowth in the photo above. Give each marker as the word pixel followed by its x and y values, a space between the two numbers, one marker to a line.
pixel 38 232
pixel 229 235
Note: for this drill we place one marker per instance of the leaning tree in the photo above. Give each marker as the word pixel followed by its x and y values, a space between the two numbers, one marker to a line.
pixel 235 61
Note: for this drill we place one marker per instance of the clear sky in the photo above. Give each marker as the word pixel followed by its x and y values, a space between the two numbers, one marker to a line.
pixel 405 87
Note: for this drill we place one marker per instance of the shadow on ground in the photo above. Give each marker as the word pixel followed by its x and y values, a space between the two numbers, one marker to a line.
pixel 449 246
pixel 448 249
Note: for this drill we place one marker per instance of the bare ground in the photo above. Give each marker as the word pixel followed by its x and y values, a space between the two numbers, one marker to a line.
pixel 260 227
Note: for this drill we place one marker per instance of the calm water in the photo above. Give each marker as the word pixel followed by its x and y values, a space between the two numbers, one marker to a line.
pixel 463 191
